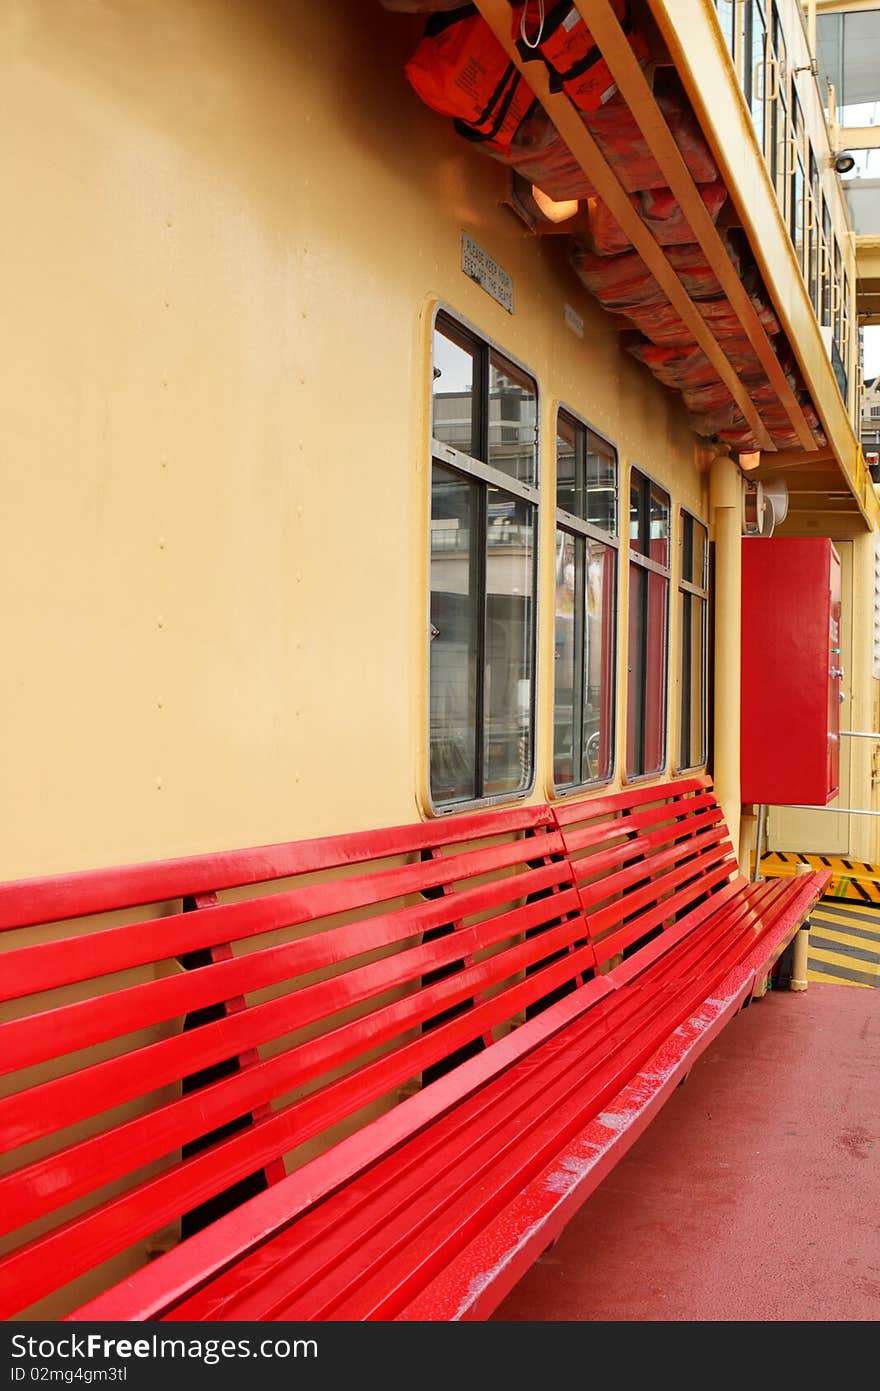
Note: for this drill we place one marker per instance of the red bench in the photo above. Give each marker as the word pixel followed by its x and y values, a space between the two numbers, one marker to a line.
pixel 375 1080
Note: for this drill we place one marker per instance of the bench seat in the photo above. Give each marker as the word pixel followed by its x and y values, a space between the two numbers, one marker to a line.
pixel 497 1002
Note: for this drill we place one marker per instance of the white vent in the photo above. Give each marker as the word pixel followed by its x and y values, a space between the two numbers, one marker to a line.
pixel 765 505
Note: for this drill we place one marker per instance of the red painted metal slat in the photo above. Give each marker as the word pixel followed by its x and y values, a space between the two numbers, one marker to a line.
pixel 583 837
pixel 429 1210
pixel 284 1308
pixel 674 838
pixel 658 869
pixel 40 1187
pixel 26 902
pixel 29 969
pixel 567 812
pixel 621 1012
pixel 475 1282
pixel 59 1256
pixel 198 1260
pixel 393 1287
pixel 38 1037
pixel 50 1106
pixel 147 1291
pixel 713 871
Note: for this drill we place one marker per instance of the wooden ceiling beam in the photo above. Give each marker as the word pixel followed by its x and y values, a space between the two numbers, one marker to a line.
pixel 627 73
pixel 498 16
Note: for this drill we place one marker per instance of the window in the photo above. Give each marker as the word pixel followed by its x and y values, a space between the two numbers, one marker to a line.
pixel 797 210
pixel 813 233
pixel 648 626
pixel 825 265
pixel 693 588
pixel 755 69
pixel 484 503
pixel 778 136
pixel 727 18
pixel 586 606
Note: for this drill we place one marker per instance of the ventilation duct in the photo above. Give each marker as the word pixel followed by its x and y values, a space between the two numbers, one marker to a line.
pixel 765 505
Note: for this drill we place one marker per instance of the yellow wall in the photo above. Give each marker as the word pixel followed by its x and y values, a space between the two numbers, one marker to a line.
pixel 226 228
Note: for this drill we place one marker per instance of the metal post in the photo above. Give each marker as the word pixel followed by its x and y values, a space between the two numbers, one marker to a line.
pixel 757 876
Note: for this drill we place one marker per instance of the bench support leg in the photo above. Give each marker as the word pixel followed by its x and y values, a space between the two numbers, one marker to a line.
pixel 799 962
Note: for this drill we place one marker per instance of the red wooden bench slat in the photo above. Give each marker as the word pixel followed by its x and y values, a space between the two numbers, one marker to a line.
pixel 504 1173
pixel 660 866
pixel 325 1228
pixel 632 838
pixel 676 866
pixel 566 812
pixel 86 1241
pixel 218 1245
pixel 51 964
pixel 155 1286
pixel 81 1168
pixel 26 902
pixel 622 1004
pixel 559 1109
pixel 39 1037
pixel 647 873
pixel 49 1106
pixel 622 826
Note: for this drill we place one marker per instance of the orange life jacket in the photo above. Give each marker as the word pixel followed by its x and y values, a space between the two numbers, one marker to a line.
pixel 461 70
pixel 570 52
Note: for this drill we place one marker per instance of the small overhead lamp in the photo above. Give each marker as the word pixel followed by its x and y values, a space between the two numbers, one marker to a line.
pixel 844 162
pixel 750 460
pixel 551 209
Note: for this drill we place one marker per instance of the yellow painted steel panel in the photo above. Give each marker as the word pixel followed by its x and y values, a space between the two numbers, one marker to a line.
pixel 227 235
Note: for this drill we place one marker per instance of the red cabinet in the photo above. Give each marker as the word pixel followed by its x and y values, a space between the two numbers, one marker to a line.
pixel 791 670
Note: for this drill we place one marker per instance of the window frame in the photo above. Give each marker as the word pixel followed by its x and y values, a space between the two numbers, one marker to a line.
pixel 649 565
pixel 461 329
pixel 574 525
pixel 696 592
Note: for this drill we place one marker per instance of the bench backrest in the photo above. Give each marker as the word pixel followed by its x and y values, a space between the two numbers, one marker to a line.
pixel 644 859
pixel 380 957
pixel 285 994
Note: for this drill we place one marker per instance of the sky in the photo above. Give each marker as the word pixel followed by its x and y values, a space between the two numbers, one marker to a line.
pixel 871 352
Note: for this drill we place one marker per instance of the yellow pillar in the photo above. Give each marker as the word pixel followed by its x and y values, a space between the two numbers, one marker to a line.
pixel 747 824
pixel 801 949
pixel 725 498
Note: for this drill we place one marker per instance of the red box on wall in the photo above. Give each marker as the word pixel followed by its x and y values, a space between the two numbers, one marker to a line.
pixel 791 670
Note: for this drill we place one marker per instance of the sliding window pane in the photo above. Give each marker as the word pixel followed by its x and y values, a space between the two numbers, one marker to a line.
pixel 726 18
pixel 692 752
pixel 455 371
pixel 655 686
pixel 513 431
pixel 599 662
pixel 757 70
pixel 659 525
pixel 569 472
pixel 601 480
pixel 510 584
pixel 455 620
pixel 568 658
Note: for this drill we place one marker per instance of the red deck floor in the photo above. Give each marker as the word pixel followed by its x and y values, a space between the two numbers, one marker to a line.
pixel 754 1194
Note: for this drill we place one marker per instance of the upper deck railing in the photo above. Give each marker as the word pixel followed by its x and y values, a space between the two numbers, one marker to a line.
pixel 768 44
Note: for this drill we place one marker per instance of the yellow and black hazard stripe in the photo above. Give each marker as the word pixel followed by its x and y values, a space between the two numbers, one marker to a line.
pixel 844 944
pixel 851 879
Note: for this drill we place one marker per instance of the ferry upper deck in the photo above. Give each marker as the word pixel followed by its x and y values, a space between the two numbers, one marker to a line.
pixel 432 427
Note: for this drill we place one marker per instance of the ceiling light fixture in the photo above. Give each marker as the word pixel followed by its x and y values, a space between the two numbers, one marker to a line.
pixel 553 211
